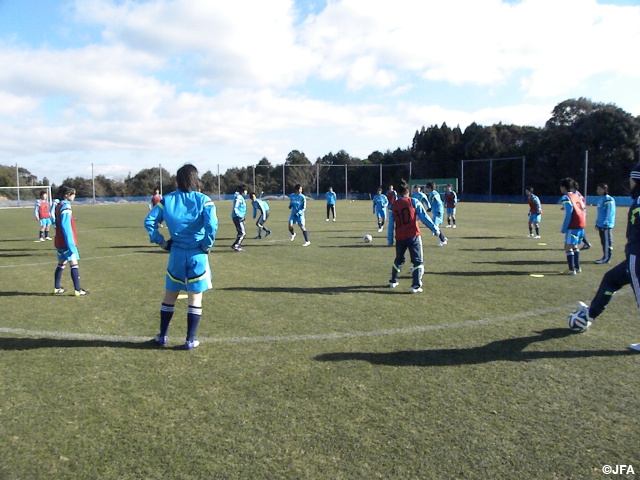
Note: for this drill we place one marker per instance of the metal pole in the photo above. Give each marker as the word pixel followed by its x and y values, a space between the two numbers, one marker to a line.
pixel 586 170
pixel 283 182
pixel 254 178
pixel 346 183
pixel 93 184
pixel 218 181
pixel 18 183
pixel 160 175
pixel 380 175
pixel 461 176
pixel 410 171
pixel 317 179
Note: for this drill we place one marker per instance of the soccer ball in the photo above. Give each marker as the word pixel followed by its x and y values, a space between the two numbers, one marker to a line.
pixel 368 239
pixel 578 321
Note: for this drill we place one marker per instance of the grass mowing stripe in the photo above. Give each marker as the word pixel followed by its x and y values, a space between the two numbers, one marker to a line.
pixel 286 338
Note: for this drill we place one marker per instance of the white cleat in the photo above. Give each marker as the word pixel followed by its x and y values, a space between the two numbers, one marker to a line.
pixel 306 244
pixel 393 284
pixel 635 346
pixel 293 235
pixel 442 243
pixel 416 290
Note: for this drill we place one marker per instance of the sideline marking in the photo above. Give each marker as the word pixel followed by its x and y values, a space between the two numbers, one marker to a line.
pixel 284 338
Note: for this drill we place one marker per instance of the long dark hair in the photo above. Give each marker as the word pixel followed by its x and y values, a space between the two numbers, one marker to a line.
pixel 63 191
pixel 187 178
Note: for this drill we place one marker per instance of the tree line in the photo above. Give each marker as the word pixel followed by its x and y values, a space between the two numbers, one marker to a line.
pixel 610 135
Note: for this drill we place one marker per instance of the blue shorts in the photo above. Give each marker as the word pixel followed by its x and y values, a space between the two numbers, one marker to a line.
pixel 189 270
pixel 64 254
pixel 381 213
pixel 297 219
pixel 451 210
pixel 535 218
pixel 45 222
pixel 574 236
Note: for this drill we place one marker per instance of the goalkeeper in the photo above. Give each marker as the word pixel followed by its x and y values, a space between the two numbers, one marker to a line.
pixel 190 217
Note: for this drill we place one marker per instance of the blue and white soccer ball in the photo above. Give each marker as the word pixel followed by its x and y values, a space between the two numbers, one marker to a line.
pixel 578 321
pixel 368 238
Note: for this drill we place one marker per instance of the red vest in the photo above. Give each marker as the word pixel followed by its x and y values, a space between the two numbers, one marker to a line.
pixel 60 241
pixel 405 220
pixel 579 215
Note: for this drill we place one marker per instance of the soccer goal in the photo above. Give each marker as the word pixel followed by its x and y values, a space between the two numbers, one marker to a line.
pixel 23 196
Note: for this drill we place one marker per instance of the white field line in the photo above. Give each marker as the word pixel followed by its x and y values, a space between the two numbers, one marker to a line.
pixel 55 262
pixel 288 338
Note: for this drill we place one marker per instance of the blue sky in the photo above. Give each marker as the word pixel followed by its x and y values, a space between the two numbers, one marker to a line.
pixel 123 85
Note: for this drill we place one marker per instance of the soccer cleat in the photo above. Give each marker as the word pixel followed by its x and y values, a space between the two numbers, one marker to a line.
pixel 579 270
pixel 448 226
pixel 635 346
pixel 161 340
pixel 48 238
pixel 58 291
pixel 293 235
pixel 530 235
pixel 416 290
pixel 257 238
pixel 454 226
pixel 306 244
pixel 536 236
pixel 572 272
pixel 327 220
pixel 586 246
pixel 602 260
pixel 379 229
pixel 41 239
pixel 442 243
pixel 267 234
pixel 334 219
pixel 80 293
pixel 190 345
pixel 584 308
pixel 392 284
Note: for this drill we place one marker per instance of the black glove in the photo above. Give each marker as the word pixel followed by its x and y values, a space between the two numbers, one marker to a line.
pixel 166 245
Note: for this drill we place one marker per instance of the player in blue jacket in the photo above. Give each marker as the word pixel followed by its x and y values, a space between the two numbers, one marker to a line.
pixel 298 205
pixel 380 203
pixel 628 271
pixel 238 214
pixel 260 210
pixel 437 210
pixel 190 217
pixel 605 221
pixel 331 203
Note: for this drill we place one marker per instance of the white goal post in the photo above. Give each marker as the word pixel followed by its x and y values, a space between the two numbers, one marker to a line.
pixel 10 197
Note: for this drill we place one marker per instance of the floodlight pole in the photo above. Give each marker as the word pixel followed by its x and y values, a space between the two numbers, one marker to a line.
pixel 283 189
pixel 160 175
pixel 346 183
pixel 93 185
pixel 254 178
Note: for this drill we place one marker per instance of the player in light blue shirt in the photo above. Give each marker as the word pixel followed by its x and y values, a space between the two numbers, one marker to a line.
pixel 421 197
pixel 380 203
pixel 238 214
pixel 437 209
pixel 190 217
pixel 605 221
pixel 298 205
pixel 331 203
pixel 261 207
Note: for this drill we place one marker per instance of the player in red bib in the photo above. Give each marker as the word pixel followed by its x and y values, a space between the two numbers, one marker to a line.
pixel 43 216
pixel 406 211
pixel 575 220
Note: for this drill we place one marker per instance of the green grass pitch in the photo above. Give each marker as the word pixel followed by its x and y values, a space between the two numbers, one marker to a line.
pixel 310 366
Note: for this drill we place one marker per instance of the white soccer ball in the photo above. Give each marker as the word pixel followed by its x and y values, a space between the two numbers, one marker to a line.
pixel 368 238
pixel 578 322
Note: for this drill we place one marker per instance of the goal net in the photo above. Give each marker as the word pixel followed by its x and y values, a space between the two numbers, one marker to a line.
pixel 23 196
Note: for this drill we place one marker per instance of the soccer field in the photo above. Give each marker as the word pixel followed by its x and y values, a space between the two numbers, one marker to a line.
pixel 309 365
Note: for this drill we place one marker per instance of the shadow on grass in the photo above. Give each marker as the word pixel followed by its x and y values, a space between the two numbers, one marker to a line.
pixel 510 350
pixel 33 343
pixel 26 294
pixel 380 289
pixel 525 262
pixel 363 245
pixel 492 274
pixel 504 249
